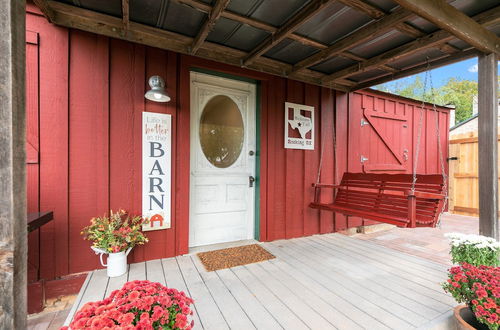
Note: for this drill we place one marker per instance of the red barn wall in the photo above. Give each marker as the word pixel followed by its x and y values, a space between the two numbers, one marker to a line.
pixel 88 109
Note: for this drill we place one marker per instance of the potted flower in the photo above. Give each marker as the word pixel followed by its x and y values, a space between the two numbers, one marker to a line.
pixel 137 305
pixel 476 281
pixel 115 236
pixel 479 288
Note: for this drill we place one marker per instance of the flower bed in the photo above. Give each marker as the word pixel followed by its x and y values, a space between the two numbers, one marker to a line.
pixel 138 305
pixel 479 288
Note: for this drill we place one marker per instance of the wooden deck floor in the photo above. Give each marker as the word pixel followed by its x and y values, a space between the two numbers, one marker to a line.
pixel 320 282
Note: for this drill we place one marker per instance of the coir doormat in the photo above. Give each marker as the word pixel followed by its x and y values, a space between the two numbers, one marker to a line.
pixel 236 256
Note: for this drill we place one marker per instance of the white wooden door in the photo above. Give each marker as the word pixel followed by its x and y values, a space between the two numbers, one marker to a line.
pixel 222 160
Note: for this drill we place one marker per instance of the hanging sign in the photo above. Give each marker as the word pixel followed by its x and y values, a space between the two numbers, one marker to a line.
pixel 299 126
pixel 156 169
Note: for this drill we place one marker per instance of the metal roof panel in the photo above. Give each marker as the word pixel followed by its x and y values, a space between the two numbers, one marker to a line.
pixel 290 51
pixel 236 35
pixel 333 23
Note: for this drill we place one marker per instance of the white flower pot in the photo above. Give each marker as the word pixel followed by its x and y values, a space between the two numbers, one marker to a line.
pixel 117 262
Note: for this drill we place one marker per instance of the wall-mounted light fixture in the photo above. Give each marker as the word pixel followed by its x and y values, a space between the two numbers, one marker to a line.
pixel 157 93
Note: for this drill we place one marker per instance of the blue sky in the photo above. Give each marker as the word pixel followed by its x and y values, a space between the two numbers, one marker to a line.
pixel 466 70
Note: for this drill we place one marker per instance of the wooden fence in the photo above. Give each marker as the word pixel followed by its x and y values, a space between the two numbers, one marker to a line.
pixel 463 176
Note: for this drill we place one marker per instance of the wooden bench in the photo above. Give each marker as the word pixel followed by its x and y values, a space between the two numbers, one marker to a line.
pixel 386 198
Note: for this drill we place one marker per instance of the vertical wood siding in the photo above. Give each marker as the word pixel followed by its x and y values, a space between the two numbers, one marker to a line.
pixel 91 99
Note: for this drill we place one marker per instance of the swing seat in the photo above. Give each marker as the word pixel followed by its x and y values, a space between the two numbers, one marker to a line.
pixel 386 198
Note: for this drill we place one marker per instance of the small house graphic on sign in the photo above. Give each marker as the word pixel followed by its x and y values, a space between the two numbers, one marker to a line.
pixel 299 126
pixel 154 219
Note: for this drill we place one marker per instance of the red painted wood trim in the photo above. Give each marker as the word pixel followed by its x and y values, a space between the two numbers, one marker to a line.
pixel 183 161
pixel 294 192
pixel 311 163
pixel 341 129
pixel 327 124
pixel 53 103
pixel 264 157
pixel 89 141
pixel 31 38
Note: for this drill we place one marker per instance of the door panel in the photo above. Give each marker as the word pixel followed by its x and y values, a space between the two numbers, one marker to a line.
pixel 383 130
pixel 222 160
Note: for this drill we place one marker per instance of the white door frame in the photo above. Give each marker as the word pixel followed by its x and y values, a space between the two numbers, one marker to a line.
pixel 202 88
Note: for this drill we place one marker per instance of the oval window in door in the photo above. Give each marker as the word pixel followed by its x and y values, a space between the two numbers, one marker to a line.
pixel 221 131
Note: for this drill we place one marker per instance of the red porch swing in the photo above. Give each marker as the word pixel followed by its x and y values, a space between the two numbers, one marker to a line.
pixel 405 200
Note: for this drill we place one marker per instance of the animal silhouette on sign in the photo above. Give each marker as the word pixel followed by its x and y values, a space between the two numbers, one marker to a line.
pixel 156 218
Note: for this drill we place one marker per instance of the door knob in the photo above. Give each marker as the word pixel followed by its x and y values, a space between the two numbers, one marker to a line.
pixel 251 180
pixel 251 152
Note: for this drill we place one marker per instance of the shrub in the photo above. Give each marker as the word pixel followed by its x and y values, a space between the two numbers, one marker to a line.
pixel 474 249
pixel 479 288
pixel 138 305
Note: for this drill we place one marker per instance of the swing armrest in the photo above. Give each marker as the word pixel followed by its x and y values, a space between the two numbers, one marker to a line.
pixel 425 195
pixel 325 185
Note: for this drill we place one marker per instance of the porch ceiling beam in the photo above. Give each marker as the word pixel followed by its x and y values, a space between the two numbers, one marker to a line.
pixel 455 22
pixel 432 40
pixel 214 14
pixel 384 24
pixel 445 60
pixel 46 9
pixel 302 16
pixel 90 21
pixel 125 13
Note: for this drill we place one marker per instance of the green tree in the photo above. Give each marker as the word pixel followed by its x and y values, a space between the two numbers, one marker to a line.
pixel 457 92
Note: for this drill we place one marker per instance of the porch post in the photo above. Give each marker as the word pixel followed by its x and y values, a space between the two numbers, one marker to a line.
pixel 13 247
pixel 488 145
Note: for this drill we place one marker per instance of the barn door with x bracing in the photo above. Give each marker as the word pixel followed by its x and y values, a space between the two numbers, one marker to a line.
pixel 380 135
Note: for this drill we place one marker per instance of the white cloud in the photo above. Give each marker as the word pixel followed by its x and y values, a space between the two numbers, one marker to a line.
pixel 473 68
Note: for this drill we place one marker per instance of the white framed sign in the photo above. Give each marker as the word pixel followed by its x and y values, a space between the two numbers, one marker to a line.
pixel 156 169
pixel 299 126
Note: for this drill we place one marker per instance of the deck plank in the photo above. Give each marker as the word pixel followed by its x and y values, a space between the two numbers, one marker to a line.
pixel 362 284
pixel 207 308
pixel 137 272
pixel 383 283
pixel 78 300
pixel 318 282
pixel 174 279
pixel 154 271
pixel 234 315
pixel 422 285
pixel 116 283
pixel 335 285
pixel 426 267
pixel 375 247
pixel 259 315
pixel 96 288
pixel 285 317
pixel 315 301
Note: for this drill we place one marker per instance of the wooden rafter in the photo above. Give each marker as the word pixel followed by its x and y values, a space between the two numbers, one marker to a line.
pixel 205 8
pixel 376 13
pixel 125 14
pixel 445 60
pixel 386 23
pixel 90 21
pixel 432 40
pixel 46 9
pixel 455 22
pixel 302 16
pixel 209 24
